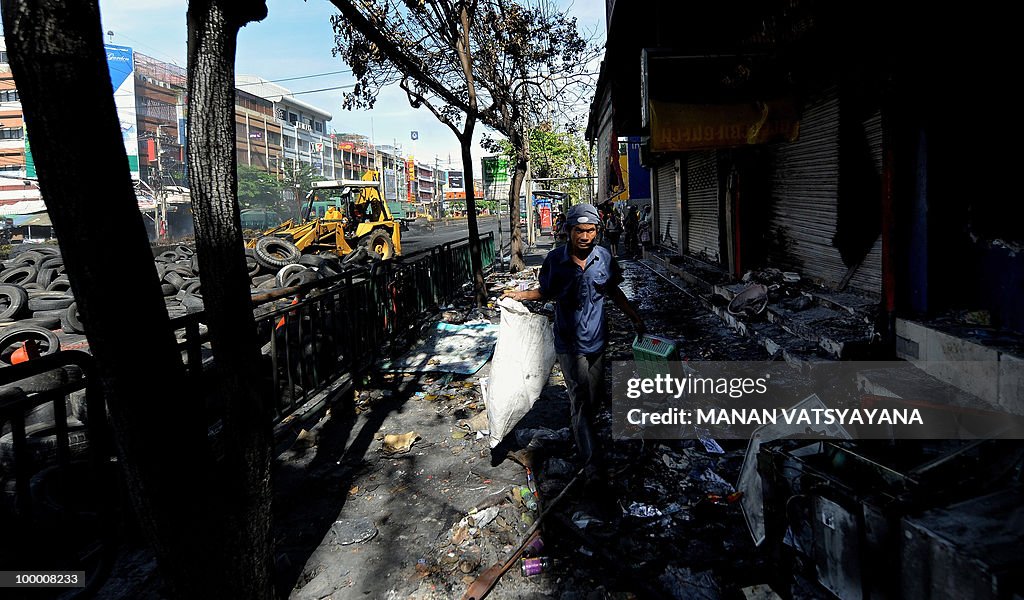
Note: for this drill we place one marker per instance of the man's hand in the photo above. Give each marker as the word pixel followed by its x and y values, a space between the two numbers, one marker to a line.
pixel 639 328
pixel 522 295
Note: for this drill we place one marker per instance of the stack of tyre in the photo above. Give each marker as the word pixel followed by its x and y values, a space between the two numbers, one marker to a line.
pixel 276 263
pixel 35 300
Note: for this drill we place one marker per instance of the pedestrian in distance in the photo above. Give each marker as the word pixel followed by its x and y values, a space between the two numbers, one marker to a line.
pixel 631 225
pixel 612 231
pixel 579 277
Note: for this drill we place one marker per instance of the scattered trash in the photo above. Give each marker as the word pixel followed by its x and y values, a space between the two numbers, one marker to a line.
pixel 395 443
pixel 534 547
pixel 534 566
pixel 582 519
pixel 538 438
pixel 352 531
pixel 484 517
pixel 683 584
pixel 760 592
pixel 477 423
pixel 715 484
pixel 558 467
pixel 709 443
pixel 644 511
pixel 751 301
pixel 304 441
pixel 790 277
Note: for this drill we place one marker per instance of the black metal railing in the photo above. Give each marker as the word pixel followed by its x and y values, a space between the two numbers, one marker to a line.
pixel 60 467
pixel 316 333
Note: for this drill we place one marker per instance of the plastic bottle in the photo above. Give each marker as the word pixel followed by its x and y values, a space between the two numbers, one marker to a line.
pixel 534 548
pixel 534 566
pixel 528 500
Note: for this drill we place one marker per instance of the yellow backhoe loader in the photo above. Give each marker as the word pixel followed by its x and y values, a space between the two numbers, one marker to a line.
pixel 341 216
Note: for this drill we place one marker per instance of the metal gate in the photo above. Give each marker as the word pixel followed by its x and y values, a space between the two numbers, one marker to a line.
pixel 804 193
pixel 667 214
pixel 868 277
pixel 702 205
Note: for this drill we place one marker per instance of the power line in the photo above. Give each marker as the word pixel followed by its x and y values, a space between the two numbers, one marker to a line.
pixel 342 72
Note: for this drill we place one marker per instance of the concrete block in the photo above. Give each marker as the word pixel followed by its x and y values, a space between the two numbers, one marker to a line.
pixel 1011 383
pixel 914 335
pixel 970 367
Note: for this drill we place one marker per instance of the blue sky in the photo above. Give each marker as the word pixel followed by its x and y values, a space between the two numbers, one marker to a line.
pixel 295 40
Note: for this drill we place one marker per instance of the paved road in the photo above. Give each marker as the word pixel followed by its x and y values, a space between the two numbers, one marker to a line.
pixel 420 238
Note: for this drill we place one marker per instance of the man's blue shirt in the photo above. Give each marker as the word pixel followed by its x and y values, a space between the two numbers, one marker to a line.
pixel 580 325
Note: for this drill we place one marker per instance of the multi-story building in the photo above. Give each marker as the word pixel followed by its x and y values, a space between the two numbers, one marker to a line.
pixel 258 140
pixel 305 137
pixel 13 189
pixel 160 120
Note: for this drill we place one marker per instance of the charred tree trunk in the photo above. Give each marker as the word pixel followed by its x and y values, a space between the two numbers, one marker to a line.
pixel 521 153
pixel 474 231
pixel 56 53
pixel 243 492
pixel 466 141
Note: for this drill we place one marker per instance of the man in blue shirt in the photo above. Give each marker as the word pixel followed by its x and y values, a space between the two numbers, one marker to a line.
pixel 578 277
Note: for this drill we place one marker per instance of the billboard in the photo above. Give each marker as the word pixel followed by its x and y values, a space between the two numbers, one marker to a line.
pixel 455 181
pixel 121 64
pixel 390 184
pixel 496 177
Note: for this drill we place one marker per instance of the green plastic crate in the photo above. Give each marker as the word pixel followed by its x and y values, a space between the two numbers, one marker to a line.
pixel 654 355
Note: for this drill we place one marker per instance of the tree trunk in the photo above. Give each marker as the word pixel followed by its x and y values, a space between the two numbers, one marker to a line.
pixel 475 258
pixel 56 53
pixel 242 497
pixel 517 263
pixel 466 141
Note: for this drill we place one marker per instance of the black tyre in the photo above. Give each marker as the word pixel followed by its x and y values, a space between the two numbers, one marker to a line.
pixel 168 289
pixel 262 279
pixel 45 276
pixel 192 286
pixel 194 263
pixel 355 256
pixel 60 284
pixel 287 272
pixel 300 278
pixel 46 319
pixel 252 265
pixel 71 321
pixel 274 253
pixel 41 443
pixel 13 300
pixel 379 242
pixel 184 251
pixel 174 278
pixel 167 257
pixel 20 274
pixel 311 260
pixel 31 258
pixel 15 336
pixel 49 301
pixel 192 303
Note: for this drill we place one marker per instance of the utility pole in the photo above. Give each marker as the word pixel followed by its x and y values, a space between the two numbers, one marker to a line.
pixel 161 232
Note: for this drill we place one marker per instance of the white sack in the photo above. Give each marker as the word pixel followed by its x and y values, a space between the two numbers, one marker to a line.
pixel 523 357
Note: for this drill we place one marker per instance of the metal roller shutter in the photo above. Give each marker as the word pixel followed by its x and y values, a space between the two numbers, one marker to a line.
pixel 702 205
pixel 667 214
pixel 868 278
pixel 804 191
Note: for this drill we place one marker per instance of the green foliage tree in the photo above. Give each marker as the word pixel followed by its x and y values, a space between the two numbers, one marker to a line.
pixel 555 154
pixel 258 189
pixel 296 182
